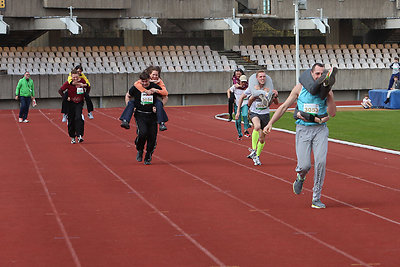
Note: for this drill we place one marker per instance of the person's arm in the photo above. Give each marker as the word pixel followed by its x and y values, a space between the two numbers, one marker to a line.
pixel 63 88
pixel 163 91
pixel 294 94
pixel 86 79
pixel 17 90
pixel 331 104
pixel 228 93
pixel 127 98
pixel 242 96
pixel 33 91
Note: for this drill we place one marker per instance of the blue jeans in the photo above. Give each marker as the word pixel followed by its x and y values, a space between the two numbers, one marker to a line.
pixel 392 79
pixel 128 111
pixel 24 101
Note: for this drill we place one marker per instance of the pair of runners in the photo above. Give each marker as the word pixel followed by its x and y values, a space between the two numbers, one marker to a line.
pixel 315 104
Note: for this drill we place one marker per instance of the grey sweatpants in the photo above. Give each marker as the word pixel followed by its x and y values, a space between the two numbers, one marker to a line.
pixel 313 138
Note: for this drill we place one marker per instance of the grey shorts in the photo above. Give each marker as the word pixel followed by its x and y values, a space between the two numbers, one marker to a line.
pixel 264 118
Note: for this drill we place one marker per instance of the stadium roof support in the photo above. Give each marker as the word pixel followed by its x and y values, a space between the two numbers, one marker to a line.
pixel 4 27
pixel 149 24
pixel 58 24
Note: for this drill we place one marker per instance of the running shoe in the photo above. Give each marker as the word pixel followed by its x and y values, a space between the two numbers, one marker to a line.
pixel 252 153
pixel 73 140
pixel 147 158
pixel 64 118
pixel 90 115
pixel 247 134
pixel 162 126
pixel 330 77
pixel 125 124
pixel 80 139
pixel 25 121
pixel 317 204
pixel 298 185
pixel 256 160
pixel 139 156
pixel 20 119
pixel 239 137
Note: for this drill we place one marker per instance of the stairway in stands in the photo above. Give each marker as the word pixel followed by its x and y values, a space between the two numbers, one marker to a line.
pixel 241 60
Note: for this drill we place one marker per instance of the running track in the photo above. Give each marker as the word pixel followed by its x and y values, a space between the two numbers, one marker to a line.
pixel 201 202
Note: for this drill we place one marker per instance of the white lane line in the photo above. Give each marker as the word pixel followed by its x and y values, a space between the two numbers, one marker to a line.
pixel 57 215
pixel 148 203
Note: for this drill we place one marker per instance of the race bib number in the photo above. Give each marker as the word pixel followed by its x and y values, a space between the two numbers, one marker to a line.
pixel 79 91
pixel 311 108
pixel 146 99
pixel 260 106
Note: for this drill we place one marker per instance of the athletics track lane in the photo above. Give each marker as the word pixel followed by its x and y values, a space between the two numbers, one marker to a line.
pixel 240 215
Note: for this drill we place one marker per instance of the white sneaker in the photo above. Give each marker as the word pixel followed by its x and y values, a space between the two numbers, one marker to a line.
pixel 90 115
pixel 256 160
pixel 80 139
pixel 73 140
pixel 64 118
pixel 25 121
pixel 20 119
pixel 252 153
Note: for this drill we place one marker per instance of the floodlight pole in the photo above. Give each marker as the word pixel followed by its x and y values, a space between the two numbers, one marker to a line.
pixel 296 33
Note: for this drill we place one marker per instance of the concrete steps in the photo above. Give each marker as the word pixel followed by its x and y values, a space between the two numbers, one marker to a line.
pixel 245 61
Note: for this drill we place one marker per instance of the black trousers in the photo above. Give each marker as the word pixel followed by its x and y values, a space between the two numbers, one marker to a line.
pixel 231 101
pixel 75 122
pixel 64 104
pixel 146 131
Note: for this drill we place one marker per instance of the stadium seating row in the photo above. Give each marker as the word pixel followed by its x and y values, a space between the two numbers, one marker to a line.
pixel 343 57
pixel 150 48
pixel 198 59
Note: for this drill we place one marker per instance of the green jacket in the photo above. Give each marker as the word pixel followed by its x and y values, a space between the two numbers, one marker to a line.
pixel 25 88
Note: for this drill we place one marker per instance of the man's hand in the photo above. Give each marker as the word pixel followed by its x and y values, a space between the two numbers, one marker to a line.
pixel 16 97
pixel 267 129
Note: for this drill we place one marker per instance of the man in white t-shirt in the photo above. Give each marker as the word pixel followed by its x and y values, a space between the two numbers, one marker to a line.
pixel 259 111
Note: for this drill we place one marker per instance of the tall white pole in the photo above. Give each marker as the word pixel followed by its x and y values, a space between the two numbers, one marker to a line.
pixel 296 32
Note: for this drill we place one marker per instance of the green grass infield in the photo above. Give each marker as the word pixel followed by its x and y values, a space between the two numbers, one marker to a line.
pixel 380 128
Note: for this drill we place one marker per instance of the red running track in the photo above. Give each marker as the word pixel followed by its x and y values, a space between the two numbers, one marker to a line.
pixel 201 202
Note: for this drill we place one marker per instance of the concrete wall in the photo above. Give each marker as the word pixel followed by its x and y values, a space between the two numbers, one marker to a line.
pixel 334 9
pixel 338 9
pixel 186 88
pixel 121 8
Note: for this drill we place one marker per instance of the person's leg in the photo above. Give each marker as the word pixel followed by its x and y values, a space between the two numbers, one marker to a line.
pixel 89 105
pixel 303 152
pixel 71 119
pixel 238 122
pixel 161 114
pixel 128 111
pixel 245 113
pixel 254 135
pixel 142 131
pixel 320 150
pixel 151 139
pixel 162 117
pixel 231 102
pixel 391 81
pixel 24 107
pixel 79 122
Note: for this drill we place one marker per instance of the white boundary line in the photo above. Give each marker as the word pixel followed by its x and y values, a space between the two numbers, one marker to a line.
pixel 243 202
pixel 384 150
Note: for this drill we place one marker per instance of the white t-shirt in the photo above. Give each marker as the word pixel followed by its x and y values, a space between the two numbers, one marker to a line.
pixel 238 92
pixel 257 106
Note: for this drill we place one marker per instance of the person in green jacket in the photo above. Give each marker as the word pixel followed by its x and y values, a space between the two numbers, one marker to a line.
pixel 25 92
